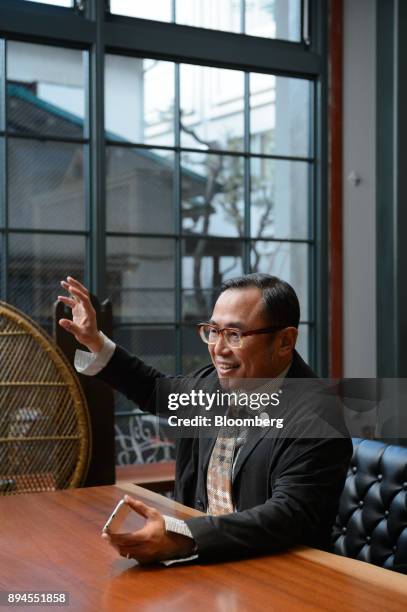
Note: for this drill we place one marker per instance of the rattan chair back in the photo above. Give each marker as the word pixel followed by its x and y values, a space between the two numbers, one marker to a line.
pixel 44 422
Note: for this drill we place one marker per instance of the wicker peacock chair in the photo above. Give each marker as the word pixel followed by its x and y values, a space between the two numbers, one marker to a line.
pixel 44 422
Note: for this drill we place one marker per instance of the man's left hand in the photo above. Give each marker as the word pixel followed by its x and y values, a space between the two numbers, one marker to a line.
pixel 152 542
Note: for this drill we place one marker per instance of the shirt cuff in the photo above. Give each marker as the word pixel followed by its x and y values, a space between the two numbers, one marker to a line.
pixel 178 526
pixel 91 364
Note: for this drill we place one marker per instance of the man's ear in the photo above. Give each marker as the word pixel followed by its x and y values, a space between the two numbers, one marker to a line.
pixel 287 340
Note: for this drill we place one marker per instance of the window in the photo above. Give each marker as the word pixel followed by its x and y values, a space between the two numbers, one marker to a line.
pixel 46 152
pixel 264 18
pixel 207 169
pixel 67 3
pixel 235 130
pixel 160 10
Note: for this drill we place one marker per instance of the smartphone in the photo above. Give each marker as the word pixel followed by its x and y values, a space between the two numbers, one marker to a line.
pixel 123 519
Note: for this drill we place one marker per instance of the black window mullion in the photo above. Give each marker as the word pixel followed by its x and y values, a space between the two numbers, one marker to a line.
pixel 3 170
pixel 209 237
pixel 318 19
pixel 97 153
pixel 312 229
pixel 87 168
pixel 177 219
pixel 210 47
pixel 3 84
pixel 45 23
pixel 242 16
pixel 46 138
pixel 46 231
pixel 247 178
pixel 165 324
pixel 305 22
pixel 319 264
pixel 139 145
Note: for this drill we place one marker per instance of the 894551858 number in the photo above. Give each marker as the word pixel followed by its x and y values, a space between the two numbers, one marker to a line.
pixel 33 598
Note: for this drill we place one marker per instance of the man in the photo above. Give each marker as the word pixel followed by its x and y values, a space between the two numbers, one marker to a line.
pixel 262 494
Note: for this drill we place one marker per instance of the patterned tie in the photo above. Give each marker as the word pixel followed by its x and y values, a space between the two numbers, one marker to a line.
pixel 220 469
pixel 230 440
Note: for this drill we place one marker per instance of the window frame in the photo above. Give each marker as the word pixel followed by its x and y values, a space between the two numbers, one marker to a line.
pixel 99 32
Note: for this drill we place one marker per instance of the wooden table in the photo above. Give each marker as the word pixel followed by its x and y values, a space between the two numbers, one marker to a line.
pixel 158 477
pixel 51 542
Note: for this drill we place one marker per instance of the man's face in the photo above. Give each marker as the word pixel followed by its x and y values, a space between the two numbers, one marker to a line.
pixel 261 356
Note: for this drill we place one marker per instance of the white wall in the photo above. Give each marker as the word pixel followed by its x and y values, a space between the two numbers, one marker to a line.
pixel 359 215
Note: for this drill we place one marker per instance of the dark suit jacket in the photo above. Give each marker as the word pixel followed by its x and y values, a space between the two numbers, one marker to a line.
pixel 286 488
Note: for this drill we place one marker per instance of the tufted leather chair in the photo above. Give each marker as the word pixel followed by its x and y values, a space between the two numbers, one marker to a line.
pixel 372 521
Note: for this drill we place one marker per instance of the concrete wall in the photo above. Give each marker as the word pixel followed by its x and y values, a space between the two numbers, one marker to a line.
pixel 359 215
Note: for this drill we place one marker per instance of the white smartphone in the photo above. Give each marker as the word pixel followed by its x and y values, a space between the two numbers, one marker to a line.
pixel 123 519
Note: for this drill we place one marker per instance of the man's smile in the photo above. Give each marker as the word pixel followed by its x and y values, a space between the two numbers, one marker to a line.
pixel 225 367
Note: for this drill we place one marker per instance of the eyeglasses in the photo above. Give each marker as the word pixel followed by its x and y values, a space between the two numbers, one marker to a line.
pixel 233 337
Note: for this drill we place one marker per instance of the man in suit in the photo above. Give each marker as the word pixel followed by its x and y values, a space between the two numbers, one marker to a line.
pixel 261 493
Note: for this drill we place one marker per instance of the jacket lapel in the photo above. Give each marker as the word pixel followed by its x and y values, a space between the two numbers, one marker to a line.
pixel 298 369
pixel 253 438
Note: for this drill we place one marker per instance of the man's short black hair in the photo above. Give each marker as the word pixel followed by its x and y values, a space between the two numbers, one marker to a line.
pixel 280 300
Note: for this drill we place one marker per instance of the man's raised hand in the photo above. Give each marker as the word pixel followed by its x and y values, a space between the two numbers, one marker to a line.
pixel 83 325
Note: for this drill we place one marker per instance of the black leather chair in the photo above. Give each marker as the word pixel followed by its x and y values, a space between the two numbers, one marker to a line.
pixel 372 521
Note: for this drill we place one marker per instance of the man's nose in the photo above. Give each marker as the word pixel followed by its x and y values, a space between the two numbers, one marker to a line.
pixel 221 346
